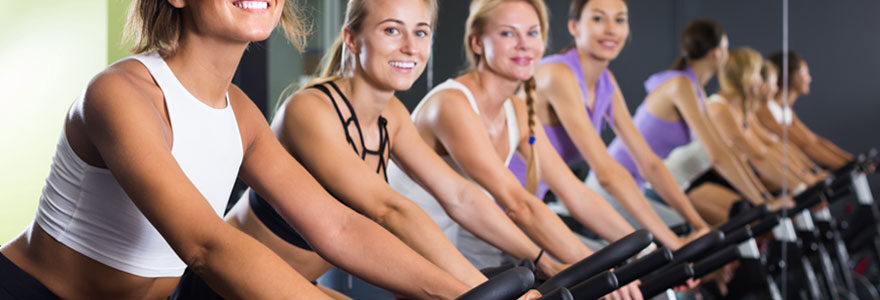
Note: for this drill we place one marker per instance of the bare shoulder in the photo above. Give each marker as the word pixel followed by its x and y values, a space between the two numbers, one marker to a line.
pixel 126 82
pixel 553 76
pixel 674 87
pixel 445 104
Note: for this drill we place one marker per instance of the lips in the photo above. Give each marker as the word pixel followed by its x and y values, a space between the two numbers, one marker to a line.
pixel 403 66
pixel 522 60
pixel 252 6
pixel 608 44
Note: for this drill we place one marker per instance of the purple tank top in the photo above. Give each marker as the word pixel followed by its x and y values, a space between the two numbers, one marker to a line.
pixel 602 110
pixel 662 136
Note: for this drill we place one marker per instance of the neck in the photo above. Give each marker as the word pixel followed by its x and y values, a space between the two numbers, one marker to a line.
pixel 703 69
pixel 205 67
pixel 792 97
pixel 366 98
pixel 490 89
pixel 592 68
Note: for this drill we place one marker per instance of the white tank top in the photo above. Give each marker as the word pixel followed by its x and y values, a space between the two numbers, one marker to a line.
pixel 85 208
pixel 688 162
pixel 405 185
pixel 781 114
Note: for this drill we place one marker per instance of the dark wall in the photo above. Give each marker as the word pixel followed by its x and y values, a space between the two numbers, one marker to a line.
pixel 839 39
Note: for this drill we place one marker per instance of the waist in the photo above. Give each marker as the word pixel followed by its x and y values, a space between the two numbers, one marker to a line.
pixel 72 275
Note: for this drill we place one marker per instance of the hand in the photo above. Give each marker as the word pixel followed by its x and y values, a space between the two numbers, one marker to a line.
pixel 530 295
pixel 688 285
pixel 547 268
pixel 781 202
pixel 629 292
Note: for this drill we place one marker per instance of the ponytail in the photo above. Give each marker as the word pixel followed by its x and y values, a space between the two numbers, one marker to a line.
pixel 532 163
pixel 680 64
pixel 334 64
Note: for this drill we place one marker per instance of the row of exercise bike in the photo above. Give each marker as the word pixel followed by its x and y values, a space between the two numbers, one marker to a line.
pixel 826 247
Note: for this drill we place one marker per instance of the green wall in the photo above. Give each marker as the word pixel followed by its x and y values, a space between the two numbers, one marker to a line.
pixel 48 54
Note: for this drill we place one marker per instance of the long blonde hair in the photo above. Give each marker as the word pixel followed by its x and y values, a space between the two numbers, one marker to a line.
pixel 475 26
pixel 155 25
pixel 742 65
pixel 339 61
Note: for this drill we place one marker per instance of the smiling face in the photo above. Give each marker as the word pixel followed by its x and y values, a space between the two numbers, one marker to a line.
pixel 393 43
pixel 234 20
pixel 722 52
pixel 511 42
pixel 771 84
pixel 602 29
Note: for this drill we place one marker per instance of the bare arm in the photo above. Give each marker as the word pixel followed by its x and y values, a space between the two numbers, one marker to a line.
pixel 651 165
pixel 563 95
pixel 460 198
pixel 310 129
pixel 132 139
pixel 681 93
pixel 819 148
pixel 458 128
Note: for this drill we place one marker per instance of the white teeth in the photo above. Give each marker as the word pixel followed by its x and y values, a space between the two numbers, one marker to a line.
pixel 610 44
pixel 403 65
pixel 252 4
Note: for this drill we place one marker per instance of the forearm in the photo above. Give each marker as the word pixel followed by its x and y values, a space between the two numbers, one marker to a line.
pixel 482 217
pixel 840 153
pixel 415 228
pixel 626 192
pixel 664 184
pixel 234 266
pixel 546 228
pixel 594 212
pixel 735 172
pixel 364 249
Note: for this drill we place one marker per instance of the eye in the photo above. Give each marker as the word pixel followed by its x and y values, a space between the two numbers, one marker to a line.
pixel 506 33
pixel 597 19
pixel 534 33
pixel 621 20
pixel 392 31
pixel 422 33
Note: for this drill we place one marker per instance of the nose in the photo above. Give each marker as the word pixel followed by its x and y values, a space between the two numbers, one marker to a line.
pixel 409 47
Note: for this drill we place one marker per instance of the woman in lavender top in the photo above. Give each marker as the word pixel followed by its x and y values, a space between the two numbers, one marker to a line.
pixel 577 95
pixel 674 123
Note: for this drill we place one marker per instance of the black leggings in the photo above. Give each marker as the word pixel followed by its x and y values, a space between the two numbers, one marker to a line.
pixel 15 283
pixel 192 286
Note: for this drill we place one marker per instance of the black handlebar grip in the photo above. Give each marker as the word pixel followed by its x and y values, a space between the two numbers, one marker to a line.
pixel 697 248
pixel 558 294
pixel 643 266
pixel 804 203
pixel 766 224
pixel 668 279
pixel 715 261
pixel 494 271
pixel 737 237
pixel 814 191
pixel 742 219
pixel 595 287
pixel 509 284
pixel 601 260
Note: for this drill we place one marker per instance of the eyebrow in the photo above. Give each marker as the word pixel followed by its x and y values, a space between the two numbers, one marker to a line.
pixel 514 27
pixel 402 23
pixel 604 13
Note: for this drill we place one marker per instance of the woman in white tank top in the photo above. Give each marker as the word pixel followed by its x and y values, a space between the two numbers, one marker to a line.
pixel 475 122
pixel 146 162
pixel 346 126
pixel 778 115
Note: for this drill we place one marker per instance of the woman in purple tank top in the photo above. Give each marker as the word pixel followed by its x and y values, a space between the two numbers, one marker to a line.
pixel 577 94
pixel 672 115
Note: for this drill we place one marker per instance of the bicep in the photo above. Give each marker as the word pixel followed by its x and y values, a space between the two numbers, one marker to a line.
pixel 130 137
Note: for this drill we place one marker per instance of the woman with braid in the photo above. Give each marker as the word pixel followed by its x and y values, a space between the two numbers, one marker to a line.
pixel 475 123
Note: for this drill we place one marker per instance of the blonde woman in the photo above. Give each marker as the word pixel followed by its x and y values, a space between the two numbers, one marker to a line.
pixel 730 111
pixel 347 125
pixel 147 159
pixel 475 122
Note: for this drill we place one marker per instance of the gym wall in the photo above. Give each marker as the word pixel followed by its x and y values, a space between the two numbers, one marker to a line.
pixel 48 52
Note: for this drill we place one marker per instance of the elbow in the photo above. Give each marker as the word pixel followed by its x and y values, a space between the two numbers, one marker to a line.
pixel 520 212
pixel 389 213
pixel 611 176
pixel 195 257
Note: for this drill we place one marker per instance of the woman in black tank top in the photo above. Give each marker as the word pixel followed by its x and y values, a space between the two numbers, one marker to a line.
pixel 345 126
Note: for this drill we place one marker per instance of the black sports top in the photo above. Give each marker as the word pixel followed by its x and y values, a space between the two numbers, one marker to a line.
pixel 273 220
